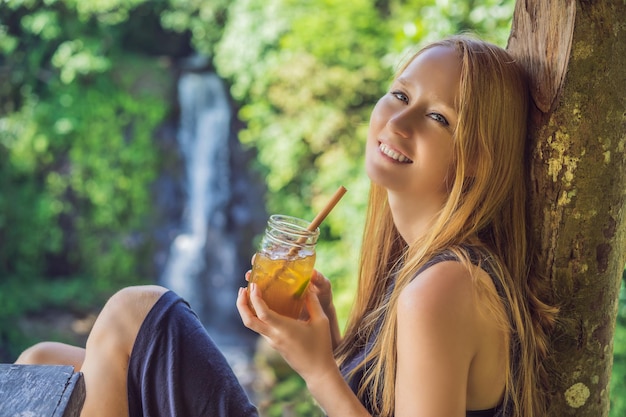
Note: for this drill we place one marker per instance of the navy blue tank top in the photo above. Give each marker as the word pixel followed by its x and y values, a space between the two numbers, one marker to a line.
pixel 355 379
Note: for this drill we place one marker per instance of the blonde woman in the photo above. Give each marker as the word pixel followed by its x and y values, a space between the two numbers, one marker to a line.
pixel 446 320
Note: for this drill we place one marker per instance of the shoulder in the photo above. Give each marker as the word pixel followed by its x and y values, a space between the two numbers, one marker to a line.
pixel 442 303
pixel 443 286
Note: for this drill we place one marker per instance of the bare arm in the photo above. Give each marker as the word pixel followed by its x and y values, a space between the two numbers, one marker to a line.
pixel 436 342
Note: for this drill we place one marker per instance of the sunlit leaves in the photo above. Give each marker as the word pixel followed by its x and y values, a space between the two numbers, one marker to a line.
pixel 337 32
pixel 76 57
pixel 14 4
pixel 27 216
pixel 19 136
pixel 78 152
pixel 8 43
pixel 42 23
pixel 205 21
pixel 248 46
pixel 417 22
pixel 305 70
pixel 109 12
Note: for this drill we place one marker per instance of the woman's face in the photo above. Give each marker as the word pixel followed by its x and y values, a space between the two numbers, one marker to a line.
pixel 410 139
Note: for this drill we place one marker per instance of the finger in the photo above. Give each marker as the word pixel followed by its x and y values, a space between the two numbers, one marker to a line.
pixel 316 276
pixel 248 273
pixel 248 317
pixel 322 287
pixel 263 312
pixel 313 305
pixel 252 260
pixel 318 280
pixel 242 305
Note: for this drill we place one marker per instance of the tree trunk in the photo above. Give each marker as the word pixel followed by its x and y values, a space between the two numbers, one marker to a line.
pixel 575 52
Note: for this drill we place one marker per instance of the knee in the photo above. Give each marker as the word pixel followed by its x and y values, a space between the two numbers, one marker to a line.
pixel 121 317
pixel 132 301
pixel 42 353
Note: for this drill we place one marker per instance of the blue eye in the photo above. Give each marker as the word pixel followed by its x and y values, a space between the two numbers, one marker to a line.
pixel 400 96
pixel 439 118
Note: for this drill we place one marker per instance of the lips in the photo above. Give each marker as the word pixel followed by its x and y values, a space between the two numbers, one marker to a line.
pixel 386 150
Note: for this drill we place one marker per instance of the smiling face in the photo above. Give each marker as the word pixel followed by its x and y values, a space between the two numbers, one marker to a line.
pixel 410 141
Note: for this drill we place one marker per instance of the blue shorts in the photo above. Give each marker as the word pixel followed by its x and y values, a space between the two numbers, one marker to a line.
pixel 175 369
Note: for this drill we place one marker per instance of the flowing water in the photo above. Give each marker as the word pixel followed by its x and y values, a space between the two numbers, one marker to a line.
pixel 207 258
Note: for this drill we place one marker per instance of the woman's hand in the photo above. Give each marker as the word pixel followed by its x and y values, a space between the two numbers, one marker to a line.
pixel 320 286
pixel 304 344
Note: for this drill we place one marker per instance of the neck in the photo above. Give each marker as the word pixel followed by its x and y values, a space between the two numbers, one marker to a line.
pixel 412 217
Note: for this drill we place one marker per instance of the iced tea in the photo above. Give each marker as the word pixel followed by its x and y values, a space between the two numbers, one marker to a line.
pixel 282 281
pixel 284 263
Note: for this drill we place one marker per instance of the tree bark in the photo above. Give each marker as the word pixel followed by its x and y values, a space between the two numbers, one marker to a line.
pixel 575 53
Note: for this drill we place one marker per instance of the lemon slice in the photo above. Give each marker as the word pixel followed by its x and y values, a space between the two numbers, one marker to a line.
pixel 301 289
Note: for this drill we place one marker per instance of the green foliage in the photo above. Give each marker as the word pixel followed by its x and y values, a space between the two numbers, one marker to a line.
pixel 291 397
pixel 87 158
pixel 18 297
pixel 419 21
pixel 27 216
pixel 77 123
pixel 203 19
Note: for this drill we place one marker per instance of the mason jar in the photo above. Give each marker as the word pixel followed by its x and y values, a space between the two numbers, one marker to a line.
pixel 284 263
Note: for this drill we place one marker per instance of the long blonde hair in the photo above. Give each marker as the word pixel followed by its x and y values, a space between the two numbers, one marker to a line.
pixel 485 210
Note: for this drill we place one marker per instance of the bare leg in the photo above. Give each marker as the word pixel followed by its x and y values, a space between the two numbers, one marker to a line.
pixel 109 346
pixel 104 362
pixel 53 353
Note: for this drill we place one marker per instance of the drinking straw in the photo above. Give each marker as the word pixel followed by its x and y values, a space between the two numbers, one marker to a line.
pixel 329 206
pixel 320 216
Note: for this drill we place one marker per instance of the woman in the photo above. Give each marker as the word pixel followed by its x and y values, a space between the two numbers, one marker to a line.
pixel 446 321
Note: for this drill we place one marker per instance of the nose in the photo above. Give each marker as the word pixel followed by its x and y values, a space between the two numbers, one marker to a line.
pixel 402 122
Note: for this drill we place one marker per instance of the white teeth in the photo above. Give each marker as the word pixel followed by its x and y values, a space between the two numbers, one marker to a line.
pixel 393 154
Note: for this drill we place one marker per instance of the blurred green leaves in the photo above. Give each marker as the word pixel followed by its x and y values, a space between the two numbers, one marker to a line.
pixel 78 112
pixel 204 20
pixel 43 23
pixel 74 57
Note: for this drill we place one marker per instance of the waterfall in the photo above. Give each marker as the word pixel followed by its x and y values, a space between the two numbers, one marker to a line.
pixel 203 138
pixel 205 263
